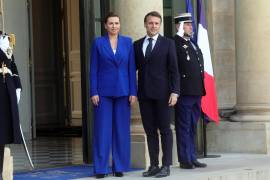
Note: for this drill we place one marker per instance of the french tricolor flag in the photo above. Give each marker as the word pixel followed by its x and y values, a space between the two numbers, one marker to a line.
pixel 209 102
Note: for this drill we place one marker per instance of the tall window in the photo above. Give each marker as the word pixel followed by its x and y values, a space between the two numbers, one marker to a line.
pixel 167 19
pixel 102 8
pixel 97 12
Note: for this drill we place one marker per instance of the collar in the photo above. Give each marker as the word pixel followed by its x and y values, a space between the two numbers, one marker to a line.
pixel 186 38
pixel 154 37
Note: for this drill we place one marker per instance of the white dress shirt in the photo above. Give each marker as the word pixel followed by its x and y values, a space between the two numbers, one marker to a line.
pixel 146 42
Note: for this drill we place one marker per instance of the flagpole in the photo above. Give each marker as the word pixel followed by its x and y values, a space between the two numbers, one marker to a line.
pixel 209 101
pixel 205 151
pixel 204 136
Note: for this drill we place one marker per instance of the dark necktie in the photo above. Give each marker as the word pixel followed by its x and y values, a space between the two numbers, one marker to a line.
pixel 148 48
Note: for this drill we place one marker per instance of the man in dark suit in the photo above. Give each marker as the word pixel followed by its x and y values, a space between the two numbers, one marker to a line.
pixel 188 108
pixel 158 89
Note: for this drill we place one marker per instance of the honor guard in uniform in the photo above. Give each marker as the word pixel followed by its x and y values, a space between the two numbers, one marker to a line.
pixel 188 108
pixel 10 88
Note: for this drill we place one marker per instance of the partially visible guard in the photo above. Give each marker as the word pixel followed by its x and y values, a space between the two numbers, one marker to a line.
pixel 10 89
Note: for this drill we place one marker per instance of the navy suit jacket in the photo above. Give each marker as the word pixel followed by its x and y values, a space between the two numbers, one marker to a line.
pixel 158 76
pixel 112 75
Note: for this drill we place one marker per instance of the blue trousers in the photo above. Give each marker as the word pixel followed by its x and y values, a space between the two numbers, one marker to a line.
pixel 188 111
pixel 112 134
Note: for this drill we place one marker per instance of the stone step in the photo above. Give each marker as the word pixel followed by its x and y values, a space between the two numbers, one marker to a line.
pixel 227 167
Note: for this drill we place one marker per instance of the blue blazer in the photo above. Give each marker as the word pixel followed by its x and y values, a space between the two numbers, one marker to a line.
pixel 112 74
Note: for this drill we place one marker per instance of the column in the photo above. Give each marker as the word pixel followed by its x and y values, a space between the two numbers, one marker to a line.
pixel 1 15
pixel 247 131
pixel 132 24
pixel 221 30
pixel 252 54
pixel 132 14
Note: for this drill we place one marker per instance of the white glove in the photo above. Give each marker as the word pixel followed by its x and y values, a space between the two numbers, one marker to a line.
pixel 5 47
pixel 181 30
pixel 18 94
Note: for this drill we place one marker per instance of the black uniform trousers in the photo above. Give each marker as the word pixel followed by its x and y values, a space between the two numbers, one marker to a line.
pixel 156 116
pixel 2 148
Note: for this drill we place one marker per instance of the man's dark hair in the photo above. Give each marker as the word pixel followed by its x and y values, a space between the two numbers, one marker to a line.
pixel 153 13
pixel 110 14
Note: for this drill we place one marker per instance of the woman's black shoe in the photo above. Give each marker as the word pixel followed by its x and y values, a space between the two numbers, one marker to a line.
pixel 118 174
pixel 99 176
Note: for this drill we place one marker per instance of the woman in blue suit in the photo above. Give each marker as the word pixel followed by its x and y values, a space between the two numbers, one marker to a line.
pixel 112 90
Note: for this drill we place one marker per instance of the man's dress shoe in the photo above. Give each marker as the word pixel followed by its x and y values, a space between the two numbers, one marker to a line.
pixel 152 171
pixel 164 171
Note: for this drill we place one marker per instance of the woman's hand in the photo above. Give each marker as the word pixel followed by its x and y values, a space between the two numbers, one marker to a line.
pixel 95 100
pixel 132 100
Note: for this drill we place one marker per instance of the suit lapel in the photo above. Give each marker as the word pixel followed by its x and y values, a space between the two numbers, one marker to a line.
pixel 120 45
pixel 107 46
pixel 139 49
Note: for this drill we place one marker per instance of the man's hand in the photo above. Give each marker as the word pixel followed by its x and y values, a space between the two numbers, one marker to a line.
pixel 95 100
pixel 132 100
pixel 181 30
pixel 173 99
